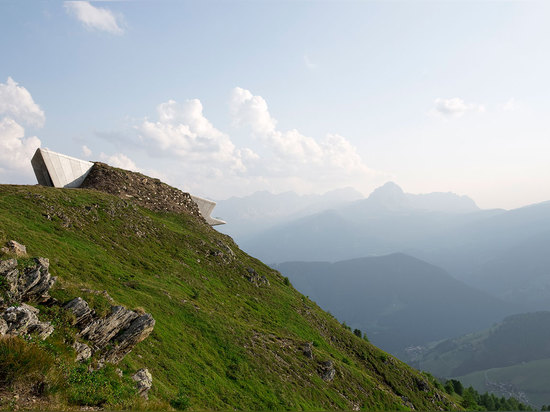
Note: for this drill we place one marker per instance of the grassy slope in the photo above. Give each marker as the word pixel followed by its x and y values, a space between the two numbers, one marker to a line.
pixel 224 341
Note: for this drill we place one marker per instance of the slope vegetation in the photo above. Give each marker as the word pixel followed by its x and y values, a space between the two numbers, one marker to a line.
pixel 230 332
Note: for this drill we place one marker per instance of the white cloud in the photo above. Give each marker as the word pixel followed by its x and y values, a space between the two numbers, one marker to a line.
pixel 182 131
pixel 16 151
pixel 456 107
pixel 17 102
pixel 17 106
pixel 291 146
pixel 86 152
pixel 94 18
pixel 119 160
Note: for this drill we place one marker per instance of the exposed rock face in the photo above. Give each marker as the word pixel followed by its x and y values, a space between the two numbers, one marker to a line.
pixel 144 381
pixel 30 285
pixel 308 350
pixel 121 329
pixel 327 371
pixel 137 331
pixel 256 279
pixel 22 319
pixel 82 312
pixel 145 191
pixel 83 351
pixel 15 248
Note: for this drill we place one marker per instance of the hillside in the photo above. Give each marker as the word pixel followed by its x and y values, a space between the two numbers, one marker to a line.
pixel 518 338
pixel 230 332
pixel 509 359
pixel 400 301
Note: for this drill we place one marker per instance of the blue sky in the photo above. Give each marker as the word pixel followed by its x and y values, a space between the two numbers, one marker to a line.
pixel 226 98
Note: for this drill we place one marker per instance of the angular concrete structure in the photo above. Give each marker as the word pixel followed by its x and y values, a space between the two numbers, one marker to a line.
pixel 58 170
pixel 206 207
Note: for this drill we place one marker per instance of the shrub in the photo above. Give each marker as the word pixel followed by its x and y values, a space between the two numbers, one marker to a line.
pixel 22 362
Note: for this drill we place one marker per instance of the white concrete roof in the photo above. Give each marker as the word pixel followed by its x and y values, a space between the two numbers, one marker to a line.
pixel 59 170
pixel 206 207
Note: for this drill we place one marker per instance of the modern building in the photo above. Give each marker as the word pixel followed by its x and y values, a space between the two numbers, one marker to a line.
pixel 59 170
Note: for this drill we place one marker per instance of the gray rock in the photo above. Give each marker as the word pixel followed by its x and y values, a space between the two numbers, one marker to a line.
pixel 125 341
pixel 308 350
pixel 3 327
pixel 83 351
pixel 33 284
pixel 22 320
pixel 327 371
pixel 256 279
pixel 102 330
pixel 82 312
pixel 121 330
pixel 144 381
pixel 15 248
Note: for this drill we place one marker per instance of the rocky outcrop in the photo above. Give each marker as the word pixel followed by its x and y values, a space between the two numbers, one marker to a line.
pixel 14 248
pixel 119 331
pixel 22 320
pixel 113 336
pixel 81 311
pixel 144 381
pixel 83 351
pixel 308 350
pixel 327 371
pixel 32 284
pixel 145 191
pixel 255 278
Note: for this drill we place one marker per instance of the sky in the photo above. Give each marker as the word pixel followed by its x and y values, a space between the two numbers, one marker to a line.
pixel 225 98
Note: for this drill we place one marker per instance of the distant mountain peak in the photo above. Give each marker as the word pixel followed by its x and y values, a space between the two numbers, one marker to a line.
pixel 390 195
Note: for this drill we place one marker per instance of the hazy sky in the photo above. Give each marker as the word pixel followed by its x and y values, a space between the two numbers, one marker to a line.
pixel 226 98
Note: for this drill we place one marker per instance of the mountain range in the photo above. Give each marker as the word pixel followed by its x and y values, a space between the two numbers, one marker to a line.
pixel 473 245
pixel 399 301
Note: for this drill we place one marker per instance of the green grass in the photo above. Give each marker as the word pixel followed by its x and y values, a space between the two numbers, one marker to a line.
pixel 219 342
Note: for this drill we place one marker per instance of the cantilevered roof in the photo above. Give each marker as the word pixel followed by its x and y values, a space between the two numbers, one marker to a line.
pixel 206 207
pixel 59 170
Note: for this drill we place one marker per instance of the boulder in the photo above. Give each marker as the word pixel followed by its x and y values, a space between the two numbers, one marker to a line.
pixel 120 331
pixel 81 311
pixel 327 371
pixel 125 341
pixel 144 381
pixel 308 350
pixel 83 351
pixel 32 284
pixel 256 279
pixel 14 248
pixel 102 330
pixel 21 320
